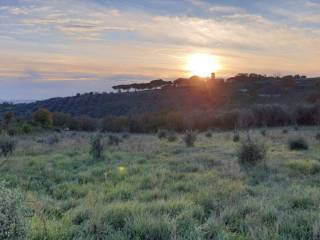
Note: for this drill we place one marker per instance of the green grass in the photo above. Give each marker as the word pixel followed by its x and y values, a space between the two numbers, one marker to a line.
pixel 151 189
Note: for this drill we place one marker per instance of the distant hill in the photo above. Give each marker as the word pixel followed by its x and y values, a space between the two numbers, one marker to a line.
pixel 205 96
pixel 116 104
pixel 14 101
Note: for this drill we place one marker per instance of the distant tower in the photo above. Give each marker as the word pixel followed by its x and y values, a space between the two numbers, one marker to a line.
pixel 213 76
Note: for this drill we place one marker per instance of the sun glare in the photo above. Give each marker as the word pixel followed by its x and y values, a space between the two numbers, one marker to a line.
pixel 202 64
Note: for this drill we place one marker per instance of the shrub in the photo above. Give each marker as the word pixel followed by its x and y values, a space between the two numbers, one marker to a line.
pixel 11 217
pixel 162 134
pixel 43 117
pixel 298 144
pixel 114 140
pixel 171 137
pixel 7 145
pixel 96 150
pixel 251 153
pixel 189 138
pixel 209 134
pixel 26 129
pixel 285 131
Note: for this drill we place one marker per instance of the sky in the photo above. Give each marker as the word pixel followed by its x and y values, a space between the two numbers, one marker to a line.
pixel 51 48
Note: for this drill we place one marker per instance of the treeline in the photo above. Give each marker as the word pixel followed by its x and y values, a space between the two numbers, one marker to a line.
pixel 194 80
pixel 159 83
pixel 248 77
pixel 256 116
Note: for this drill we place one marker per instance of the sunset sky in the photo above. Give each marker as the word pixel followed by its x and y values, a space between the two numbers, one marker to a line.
pixel 59 48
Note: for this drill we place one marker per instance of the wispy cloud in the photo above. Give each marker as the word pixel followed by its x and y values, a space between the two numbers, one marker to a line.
pixel 217 8
pixel 311 4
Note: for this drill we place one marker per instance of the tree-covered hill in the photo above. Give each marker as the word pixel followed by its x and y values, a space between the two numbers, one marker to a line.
pixel 240 92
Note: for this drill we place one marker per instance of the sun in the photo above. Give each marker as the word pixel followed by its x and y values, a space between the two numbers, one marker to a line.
pixel 202 64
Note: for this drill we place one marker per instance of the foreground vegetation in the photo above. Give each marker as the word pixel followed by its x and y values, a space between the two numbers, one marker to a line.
pixel 84 186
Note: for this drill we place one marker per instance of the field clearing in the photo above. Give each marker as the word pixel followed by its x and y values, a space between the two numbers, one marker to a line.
pixel 149 188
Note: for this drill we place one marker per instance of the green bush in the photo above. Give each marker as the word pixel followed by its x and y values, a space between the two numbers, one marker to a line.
pixel 298 144
pixel 7 145
pixel 43 117
pixel 26 128
pixel 251 153
pixel 12 224
pixel 96 150
pixel 189 138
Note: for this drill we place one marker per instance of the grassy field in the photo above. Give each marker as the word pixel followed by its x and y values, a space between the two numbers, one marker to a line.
pixel 149 188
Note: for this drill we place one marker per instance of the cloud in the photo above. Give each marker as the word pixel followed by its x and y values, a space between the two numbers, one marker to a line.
pixel 68 40
pixel 217 8
pixel 311 4
pixel 301 16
